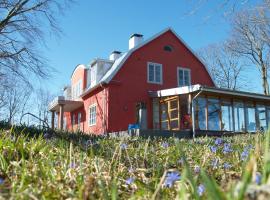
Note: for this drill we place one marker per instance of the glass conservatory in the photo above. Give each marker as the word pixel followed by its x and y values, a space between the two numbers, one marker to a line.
pixel 199 109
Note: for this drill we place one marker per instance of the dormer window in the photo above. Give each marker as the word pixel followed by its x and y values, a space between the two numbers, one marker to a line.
pixel 183 77
pixel 154 73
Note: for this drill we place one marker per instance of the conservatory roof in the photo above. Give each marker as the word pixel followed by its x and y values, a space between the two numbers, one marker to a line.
pixel 209 90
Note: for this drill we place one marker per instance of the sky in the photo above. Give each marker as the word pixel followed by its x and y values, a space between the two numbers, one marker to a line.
pixel 94 28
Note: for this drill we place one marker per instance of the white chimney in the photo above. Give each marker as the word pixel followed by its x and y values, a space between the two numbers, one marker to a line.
pixel 135 40
pixel 115 55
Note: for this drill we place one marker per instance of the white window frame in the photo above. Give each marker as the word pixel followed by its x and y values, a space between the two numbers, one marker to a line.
pixel 92 122
pixel 161 73
pixel 184 69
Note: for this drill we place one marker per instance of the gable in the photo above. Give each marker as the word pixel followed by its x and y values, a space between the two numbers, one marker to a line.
pixel 121 61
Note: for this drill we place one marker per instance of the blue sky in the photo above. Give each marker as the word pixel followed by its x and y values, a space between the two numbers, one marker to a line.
pixel 95 28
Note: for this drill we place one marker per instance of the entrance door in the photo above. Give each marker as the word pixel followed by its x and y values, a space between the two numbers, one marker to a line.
pixel 170 113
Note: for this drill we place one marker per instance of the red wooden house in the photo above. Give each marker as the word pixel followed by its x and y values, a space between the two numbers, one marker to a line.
pixel 159 84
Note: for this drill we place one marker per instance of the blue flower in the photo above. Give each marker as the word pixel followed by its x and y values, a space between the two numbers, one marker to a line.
pixel 244 155
pixel 201 189
pixel 227 148
pixel 214 163
pixel 130 180
pixel 72 165
pixel 2 181
pixel 227 165
pixel 258 178
pixel 213 149
pixel 171 177
pixel 197 169
pixel 123 146
pixel 165 144
pixel 218 141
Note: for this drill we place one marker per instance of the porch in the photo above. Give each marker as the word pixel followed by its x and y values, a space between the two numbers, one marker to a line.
pixel 60 105
pixel 207 110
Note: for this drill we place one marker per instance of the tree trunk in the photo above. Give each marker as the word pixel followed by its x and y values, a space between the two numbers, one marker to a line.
pixel 265 81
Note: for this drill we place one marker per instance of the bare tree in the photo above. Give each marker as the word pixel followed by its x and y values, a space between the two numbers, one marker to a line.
pixel 247 41
pixel 16 98
pixel 43 98
pixel 23 27
pixel 224 66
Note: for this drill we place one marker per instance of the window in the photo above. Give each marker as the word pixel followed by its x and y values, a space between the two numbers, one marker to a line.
pixel 239 116
pixel 92 115
pixel 73 121
pixel 79 120
pixel 156 113
pixel 250 117
pixel 200 114
pixel 154 73
pixel 183 76
pixel 213 114
pixel 77 89
pixel 168 48
pixel 226 116
pixel 262 117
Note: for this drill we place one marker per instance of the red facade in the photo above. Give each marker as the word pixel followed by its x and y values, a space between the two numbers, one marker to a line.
pixel 116 101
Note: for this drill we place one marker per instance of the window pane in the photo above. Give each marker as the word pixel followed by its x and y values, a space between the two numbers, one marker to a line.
pixel 213 114
pixel 268 115
pixel 180 77
pixel 200 105
pixel 158 74
pixel 239 116
pixel 227 119
pixel 151 73
pixel 250 118
pixel 186 77
pixel 262 117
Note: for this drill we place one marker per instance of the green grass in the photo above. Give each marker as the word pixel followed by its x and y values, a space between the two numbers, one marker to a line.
pixel 69 166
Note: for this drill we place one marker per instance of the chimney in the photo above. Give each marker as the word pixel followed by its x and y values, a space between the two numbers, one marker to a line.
pixel 135 40
pixel 115 55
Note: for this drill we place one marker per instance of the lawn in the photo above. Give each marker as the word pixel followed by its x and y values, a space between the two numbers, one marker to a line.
pixel 34 165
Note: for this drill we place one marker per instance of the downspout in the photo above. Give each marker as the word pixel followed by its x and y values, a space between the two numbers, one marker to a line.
pixel 193 115
pixel 104 109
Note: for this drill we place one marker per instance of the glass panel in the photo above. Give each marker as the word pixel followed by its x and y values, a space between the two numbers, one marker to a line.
pixel 151 73
pixel 173 104
pixel 164 125
pixel 262 117
pixel 156 113
pixel 250 117
pixel 200 105
pixel 227 119
pixel 174 124
pixel 213 114
pixel 268 115
pixel 180 77
pixel 158 73
pixel 164 111
pixel 186 77
pixel 239 116
pixel 174 114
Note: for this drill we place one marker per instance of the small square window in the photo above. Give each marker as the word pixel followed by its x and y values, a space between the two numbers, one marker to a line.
pixel 183 76
pixel 154 73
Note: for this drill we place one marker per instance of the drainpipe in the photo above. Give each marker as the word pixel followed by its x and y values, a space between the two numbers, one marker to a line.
pixel 193 116
pixel 104 109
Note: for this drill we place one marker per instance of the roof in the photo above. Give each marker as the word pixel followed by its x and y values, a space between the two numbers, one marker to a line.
pixel 77 67
pixel 198 88
pixel 121 60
